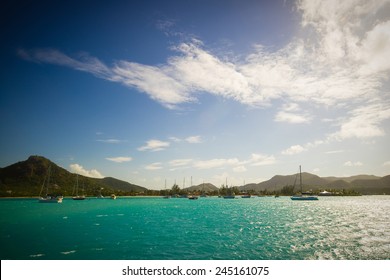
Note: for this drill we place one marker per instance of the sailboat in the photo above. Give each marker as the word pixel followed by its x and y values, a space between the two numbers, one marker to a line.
pixel 246 195
pixel 78 197
pixel 230 194
pixel 166 196
pixel 49 198
pixel 302 196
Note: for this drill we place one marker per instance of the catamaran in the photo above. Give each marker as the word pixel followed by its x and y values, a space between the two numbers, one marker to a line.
pixel 302 195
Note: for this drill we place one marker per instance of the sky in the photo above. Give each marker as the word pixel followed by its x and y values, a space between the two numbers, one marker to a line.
pixel 158 92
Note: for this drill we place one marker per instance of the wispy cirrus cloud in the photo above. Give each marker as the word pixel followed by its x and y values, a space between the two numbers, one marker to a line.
pixel 350 163
pixel 221 163
pixel 110 141
pixel 154 145
pixel 194 139
pixel 215 163
pixel 154 166
pixel 82 62
pixel 259 160
pixel 342 61
pixel 292 113
pixel 119 159
pixel 180 162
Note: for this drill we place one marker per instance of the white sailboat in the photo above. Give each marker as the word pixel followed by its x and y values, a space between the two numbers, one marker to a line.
pixel 303 196
pixel 78 197
pixel 48 198
pixel 230 194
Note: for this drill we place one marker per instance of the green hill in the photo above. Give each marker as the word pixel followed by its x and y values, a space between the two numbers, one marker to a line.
pixel 364 184
pixel 203 188
pixel 277 182
pixel 26 178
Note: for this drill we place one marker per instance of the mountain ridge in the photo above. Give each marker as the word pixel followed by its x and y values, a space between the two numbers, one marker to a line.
pixel 25 178
pixel 364 184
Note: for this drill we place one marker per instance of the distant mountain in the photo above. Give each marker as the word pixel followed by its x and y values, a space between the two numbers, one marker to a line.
pixel 206 187
pixel 352 178
pixel 338 185
pixel 378 186
pixel 364 184
pixel 26 178
pixel 277 182
pixel 121 185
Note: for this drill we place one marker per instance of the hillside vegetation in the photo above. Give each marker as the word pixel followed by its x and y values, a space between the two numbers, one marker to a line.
pixel 26 178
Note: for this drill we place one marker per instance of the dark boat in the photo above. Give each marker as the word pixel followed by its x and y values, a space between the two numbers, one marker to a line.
pixel 302 195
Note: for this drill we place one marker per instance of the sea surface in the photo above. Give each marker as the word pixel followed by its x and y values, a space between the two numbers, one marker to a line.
pixel 342 228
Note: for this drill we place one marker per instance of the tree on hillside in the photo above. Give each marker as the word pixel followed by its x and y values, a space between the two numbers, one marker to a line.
pixel 175 189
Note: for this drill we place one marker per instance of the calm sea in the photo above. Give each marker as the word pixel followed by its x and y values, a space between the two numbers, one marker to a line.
pixel 207 228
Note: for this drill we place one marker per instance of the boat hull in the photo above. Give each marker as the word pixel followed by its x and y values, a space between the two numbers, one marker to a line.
pixel 50 200
pixel 304 198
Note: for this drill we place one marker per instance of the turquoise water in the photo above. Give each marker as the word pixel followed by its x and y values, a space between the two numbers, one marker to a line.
pixel 207 228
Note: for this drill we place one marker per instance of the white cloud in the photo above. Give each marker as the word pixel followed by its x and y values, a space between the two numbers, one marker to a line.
pixel 291 117
pixel 154 145
pixel 386 163
pixel 376 46
pixel 295 149
pixel 154 81
pixel 77 168
pixel 239 168
pixel 175 139
pixel 110 141
pixel 194 139
pixel 180 162
pixel 215 163
pixel 350 163
pixel 154 166
pixel 364 122
pixel 236 164
pixel 259 159
pixel 292 113
pixel 119 159
pixel 83 62
pixel 335 152
pixel 339 59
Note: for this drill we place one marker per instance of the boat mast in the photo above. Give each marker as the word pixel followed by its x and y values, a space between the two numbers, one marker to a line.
pixel 77 184
pixel 300 178
pixel 48 180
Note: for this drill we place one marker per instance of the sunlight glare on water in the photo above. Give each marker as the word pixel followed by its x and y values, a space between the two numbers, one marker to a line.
pixel 207 228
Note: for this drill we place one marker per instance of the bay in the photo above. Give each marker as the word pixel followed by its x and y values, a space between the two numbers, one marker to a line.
pixel 211 228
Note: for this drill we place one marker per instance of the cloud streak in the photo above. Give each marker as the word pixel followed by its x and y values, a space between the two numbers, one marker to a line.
pixel 218 163
pixel 119 159
pixel 154 146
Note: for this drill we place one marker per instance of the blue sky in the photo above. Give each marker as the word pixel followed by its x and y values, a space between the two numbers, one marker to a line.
pixel 214 90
